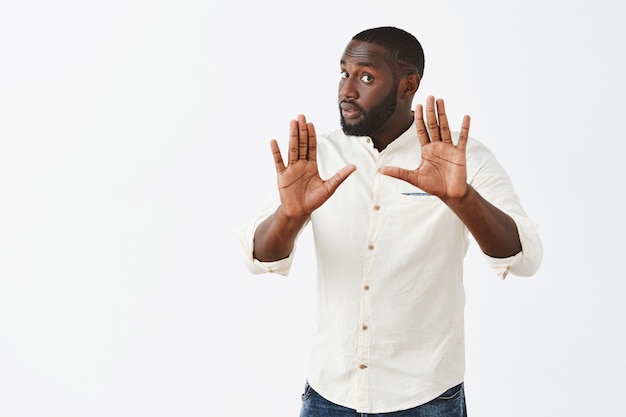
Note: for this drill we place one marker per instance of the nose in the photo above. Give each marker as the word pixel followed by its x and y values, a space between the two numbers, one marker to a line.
pixel 347 89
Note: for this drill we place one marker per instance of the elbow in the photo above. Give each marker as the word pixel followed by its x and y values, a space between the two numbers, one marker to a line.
pixel 529 262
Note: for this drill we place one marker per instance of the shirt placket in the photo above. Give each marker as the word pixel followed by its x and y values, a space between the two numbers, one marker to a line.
pixel 367 289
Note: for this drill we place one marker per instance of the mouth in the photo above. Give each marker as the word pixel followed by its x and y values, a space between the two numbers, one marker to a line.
pixel 349 110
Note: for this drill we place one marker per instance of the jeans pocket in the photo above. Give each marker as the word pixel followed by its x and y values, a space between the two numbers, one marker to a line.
pixel 307 391
pixel 451 394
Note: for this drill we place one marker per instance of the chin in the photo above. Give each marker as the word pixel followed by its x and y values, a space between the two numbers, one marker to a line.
pixel 351 129
pixel 354 132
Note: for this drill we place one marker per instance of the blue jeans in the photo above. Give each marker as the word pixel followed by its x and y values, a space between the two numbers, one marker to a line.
pixel 449 404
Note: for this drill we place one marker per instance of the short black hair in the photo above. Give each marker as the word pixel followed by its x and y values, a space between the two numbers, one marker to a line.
pixel 404 49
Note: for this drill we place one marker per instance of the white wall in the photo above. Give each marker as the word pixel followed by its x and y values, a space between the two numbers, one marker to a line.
pixel 134 140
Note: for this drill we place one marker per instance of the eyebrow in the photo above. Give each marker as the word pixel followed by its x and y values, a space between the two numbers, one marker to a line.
pixel 360 63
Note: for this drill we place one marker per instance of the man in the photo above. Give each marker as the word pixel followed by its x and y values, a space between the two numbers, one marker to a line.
pixel 391 225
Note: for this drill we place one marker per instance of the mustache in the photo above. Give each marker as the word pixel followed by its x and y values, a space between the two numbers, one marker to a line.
pixel 351 103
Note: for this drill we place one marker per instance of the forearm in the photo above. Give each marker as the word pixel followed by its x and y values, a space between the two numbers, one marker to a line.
pixel 275 237
pixel 494 231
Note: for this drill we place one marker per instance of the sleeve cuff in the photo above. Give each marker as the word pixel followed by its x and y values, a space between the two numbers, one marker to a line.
pixel 254 266
pixel 526 262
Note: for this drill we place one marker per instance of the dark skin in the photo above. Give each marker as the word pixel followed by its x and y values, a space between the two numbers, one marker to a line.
pixel 367 77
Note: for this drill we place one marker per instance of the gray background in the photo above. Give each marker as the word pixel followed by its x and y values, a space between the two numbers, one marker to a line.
pixel 134 139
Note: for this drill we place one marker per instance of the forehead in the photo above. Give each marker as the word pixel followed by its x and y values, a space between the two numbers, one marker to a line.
pixel 361 53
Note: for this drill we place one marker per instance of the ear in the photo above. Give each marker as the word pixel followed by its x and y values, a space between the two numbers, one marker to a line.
pixel 409 85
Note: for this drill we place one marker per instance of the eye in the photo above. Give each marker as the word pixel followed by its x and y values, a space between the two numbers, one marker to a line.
pixel 344 75
pixel 366 78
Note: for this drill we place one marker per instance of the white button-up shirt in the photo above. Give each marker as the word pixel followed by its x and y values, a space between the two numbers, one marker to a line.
pixel 390 331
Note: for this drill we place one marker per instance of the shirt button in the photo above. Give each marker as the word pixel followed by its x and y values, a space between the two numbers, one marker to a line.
pixel 370 247
pixel 368 140
pixel 366 287
pixel 376 207
pixel 506 272
pixel 362 366
pixel 364 327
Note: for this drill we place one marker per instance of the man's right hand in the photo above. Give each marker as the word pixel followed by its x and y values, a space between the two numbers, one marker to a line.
pixel 301 191
pixel 299 184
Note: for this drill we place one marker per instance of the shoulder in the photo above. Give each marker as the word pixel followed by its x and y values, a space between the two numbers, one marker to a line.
pixel 475 149
pixel 332 136
pixel 334 139
pixel 473 144
pixel 481 161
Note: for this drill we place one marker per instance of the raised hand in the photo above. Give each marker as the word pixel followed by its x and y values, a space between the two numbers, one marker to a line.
pixel 300 187
pixel 442 171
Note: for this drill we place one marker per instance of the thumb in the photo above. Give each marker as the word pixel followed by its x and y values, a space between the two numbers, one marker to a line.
pixel 335 181
pixel 395 172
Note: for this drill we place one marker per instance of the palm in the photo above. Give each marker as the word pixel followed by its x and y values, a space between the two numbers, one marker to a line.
pixel 442 171
pixel 300 186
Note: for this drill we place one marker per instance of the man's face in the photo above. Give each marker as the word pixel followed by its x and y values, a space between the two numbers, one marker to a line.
pixel 368 89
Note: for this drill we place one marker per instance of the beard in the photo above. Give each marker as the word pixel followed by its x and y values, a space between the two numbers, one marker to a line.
pixel 372 119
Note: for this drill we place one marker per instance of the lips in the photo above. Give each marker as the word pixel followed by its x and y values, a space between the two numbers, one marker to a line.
pixel 350 110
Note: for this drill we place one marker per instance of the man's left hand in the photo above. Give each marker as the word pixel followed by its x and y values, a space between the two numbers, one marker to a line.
pixel 442 171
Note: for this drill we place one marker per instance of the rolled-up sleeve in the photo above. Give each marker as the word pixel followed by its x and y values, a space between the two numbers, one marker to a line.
pixel 246 238
pixel 494 184
pixel 245 234
pixel 526 262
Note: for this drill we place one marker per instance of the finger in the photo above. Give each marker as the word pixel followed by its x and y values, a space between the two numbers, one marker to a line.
pixel 397 172
pixel 422 133
pixel 444 128
pixel 303 137
pixel 312 142
pixel 333 182
pixel 464 134
pixel 293 142
pixel 278 158
pixel 431 120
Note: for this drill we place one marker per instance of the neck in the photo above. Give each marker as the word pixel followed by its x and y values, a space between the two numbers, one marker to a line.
pixel 394 127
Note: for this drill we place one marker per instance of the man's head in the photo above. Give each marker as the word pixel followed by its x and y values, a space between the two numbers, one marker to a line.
pixel 405 51
pixel 380 71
